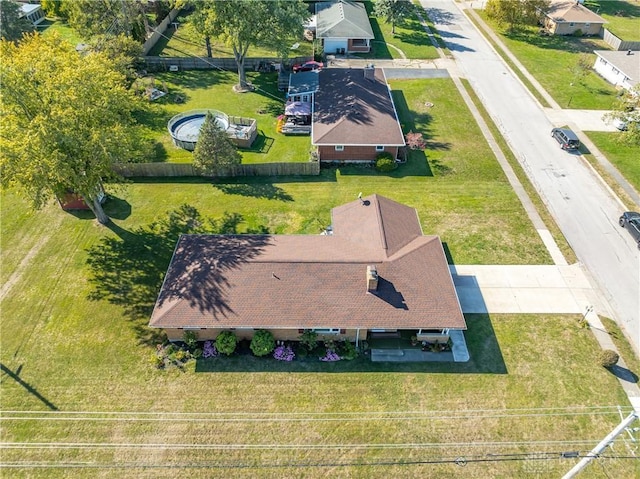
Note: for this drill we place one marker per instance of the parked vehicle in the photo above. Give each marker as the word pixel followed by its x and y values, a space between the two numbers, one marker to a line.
pixel 568 140
pixel 630 220
pixel 308 66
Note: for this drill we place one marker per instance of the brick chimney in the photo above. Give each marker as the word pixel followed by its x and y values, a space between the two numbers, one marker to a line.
pixel 372 279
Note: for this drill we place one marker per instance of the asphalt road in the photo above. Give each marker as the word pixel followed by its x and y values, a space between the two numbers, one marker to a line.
pixel 584 208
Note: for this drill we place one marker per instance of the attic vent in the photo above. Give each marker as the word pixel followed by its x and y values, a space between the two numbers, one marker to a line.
pixel 372 278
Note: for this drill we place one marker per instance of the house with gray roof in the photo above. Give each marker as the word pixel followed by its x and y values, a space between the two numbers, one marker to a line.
pixel 343 27
pixel 622 69
pixel 375 273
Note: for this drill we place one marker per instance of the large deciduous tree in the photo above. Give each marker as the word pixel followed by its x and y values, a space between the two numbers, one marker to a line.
pixel 214 148
pixel 241 24
pixel 66 120
pixel 516 13
pixel 12 26
pixel 393 11
pixel 110 17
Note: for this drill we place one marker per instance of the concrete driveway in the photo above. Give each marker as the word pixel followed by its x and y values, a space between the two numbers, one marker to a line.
pixel 523 289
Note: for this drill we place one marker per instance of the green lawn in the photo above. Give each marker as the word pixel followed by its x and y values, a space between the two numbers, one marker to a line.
pixel 623 157
pixel 622 18
pixel 552 60
pixel 410 37
pixel 48 26
pixel 212 89
pixel 63 348
pixel 186 42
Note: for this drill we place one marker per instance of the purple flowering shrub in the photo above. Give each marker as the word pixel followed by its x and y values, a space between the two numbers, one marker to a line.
pixel 330 356
pixel 284 353
pixel 209 350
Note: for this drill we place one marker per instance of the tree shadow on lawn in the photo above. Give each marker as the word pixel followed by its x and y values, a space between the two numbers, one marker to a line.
pixel 256 190
pixel 127 270
pixel 484 350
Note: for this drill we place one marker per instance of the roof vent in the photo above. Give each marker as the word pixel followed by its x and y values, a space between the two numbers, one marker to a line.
pixel 372 279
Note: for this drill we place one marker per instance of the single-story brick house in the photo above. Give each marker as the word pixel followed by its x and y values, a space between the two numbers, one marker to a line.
pixel 566 17
pixel 374 272
pixel 343 27
pixel 354 117
pixel 622 69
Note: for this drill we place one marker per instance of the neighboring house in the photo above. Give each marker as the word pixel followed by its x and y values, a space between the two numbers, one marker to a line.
pixel 566 17
pixel 375 272
pixel 32 12
pixel 619 68
pixel 343 27
pixel 354 117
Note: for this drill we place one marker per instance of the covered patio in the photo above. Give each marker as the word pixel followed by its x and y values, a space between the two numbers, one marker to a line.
pixel 403 346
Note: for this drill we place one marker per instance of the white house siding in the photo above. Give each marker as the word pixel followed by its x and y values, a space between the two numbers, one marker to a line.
pixel 333 45
pixel 611 73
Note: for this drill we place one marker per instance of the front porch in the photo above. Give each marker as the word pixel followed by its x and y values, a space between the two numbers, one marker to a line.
pixel 399 347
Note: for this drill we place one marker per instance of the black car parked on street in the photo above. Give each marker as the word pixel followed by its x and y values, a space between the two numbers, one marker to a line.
pixel 631 221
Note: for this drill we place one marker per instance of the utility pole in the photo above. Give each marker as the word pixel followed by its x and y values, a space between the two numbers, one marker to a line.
pixel 595 452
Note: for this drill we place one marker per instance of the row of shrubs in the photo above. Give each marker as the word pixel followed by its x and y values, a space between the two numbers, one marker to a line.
pixel 263 344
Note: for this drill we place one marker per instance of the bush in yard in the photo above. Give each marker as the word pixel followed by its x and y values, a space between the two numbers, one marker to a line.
pixel 190 338
pixel 262 343
pixel 385 162
pixel 309 339
pixel 347 350
pixel 608 358
pixel 415 141
pixel 226 342
pixel 209 350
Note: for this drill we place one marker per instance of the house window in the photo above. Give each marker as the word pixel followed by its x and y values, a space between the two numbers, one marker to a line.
pixel 587 25
pixel 359 42
pixel 379 148
pixel 615 70
pixel 571 24
pixel 339 147
pixel 305 98
pixel 327 330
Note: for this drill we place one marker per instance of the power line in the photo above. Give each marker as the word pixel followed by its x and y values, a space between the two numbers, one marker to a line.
pixel 458 460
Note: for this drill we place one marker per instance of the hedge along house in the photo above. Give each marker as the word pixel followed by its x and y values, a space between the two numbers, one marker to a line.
pixel 343 27
pixel 375 273
pixel 354 117
pixel 567 17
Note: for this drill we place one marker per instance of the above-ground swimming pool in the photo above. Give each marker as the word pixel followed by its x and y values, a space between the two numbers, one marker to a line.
pixel 185 127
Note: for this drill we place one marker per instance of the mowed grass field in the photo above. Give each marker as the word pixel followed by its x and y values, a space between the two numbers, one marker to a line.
pixel 212 89
pixel 117 415
pixel 553 61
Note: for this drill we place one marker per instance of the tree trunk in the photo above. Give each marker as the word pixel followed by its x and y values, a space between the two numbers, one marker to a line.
pixel 207 42
pixel 242 75
pixel 96 207
pixel 393 28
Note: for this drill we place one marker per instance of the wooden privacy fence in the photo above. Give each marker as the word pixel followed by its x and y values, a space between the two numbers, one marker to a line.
pixel 198 63
pixel 311 168
pixel 617 43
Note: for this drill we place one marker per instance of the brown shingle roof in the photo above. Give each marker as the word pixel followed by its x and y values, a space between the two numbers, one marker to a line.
pixel 352 110
pixel 565 11
pixel 261 281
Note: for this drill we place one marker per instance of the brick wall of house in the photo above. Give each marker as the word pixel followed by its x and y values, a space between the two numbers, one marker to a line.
pixel 279 334
pixel 353 153
pixel 357 48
